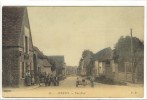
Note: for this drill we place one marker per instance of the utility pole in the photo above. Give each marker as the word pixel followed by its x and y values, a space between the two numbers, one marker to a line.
pixel 132 68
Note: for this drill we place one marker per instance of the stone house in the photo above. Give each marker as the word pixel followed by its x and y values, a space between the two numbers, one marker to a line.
pixel 71 70
pixel 41 63
pixel 46 68
pixel 103 63
pixel 17 46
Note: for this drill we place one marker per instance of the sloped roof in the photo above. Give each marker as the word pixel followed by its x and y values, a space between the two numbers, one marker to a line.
pixel 105 54
pixel 39 53
pixel 46 63
pixel 12 18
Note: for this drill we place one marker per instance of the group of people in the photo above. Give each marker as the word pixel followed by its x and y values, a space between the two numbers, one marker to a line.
pixel 83 81
pixel 49 80
pixel 42 78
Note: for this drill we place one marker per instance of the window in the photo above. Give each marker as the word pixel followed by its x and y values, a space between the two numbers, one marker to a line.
pixel 27 67
pixel 128 66
pixel 22 70
pixel 26 44
pixel 113 67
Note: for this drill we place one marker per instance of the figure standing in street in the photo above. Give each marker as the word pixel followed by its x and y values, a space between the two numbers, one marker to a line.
pixel 46 79
pixel 92 81
pixel 77 82
pixel 49 80
pixel 28 78
pixel 57 81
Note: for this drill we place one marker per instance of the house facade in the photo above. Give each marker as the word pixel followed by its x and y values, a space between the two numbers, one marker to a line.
pixel 17 46
pixel 41 64
pixel 46 68
pixel 105 65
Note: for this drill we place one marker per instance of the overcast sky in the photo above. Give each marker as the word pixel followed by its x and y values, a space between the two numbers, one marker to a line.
pixel 69 30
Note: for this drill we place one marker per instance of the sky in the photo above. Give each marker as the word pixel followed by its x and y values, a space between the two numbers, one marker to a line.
pixel 70 30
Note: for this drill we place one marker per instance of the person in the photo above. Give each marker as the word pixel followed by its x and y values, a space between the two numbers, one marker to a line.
pixel 77 82
pixel 49 80
pixel 46 79
pixel 84 82
pixel 92 81
pixel 57 81
pixel 28 78
pixel 33 80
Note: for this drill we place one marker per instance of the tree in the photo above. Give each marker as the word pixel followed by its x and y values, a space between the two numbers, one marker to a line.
pixel 87 57
pixel 122 52
pixel 87 53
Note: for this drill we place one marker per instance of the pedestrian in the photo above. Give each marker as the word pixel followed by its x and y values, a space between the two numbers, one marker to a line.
pixel 33 80
pixel 92 81
pixel 46 79
pixel 77 82
pixel 54 80
pixel 28 78
pixel 49 80
pixel 57 80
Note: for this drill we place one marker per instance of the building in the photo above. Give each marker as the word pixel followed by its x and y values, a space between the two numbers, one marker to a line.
pixel 106 65
pixel 103 61
pixel 41 64
pixel 46 68
pixel 71 70
pixel 17 46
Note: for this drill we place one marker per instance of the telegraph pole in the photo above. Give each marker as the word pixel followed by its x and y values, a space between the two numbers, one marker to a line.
pixel 132 57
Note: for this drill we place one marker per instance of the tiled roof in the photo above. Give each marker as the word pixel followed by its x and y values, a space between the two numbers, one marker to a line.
pixel 46 63
pixel 40 54
pixel 12 18
pixel 105 54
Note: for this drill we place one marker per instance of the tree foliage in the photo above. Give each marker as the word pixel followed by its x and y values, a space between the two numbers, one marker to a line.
pixel 87 58
pixel 122 52
pixel 123 49
pixel 87 53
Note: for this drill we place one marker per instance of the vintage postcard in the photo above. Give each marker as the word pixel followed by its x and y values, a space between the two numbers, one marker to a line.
pixel 73 51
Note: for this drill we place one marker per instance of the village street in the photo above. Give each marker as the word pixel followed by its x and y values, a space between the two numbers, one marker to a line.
pixel 68 88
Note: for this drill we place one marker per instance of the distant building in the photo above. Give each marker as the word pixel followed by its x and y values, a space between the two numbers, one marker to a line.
pixel 46 68
pixel 71 70
pixel 17 46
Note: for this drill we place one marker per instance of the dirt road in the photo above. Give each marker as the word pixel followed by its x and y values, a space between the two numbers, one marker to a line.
pixel 68 88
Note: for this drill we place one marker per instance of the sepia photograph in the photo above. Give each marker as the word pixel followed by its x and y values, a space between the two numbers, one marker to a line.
pixel 73 51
